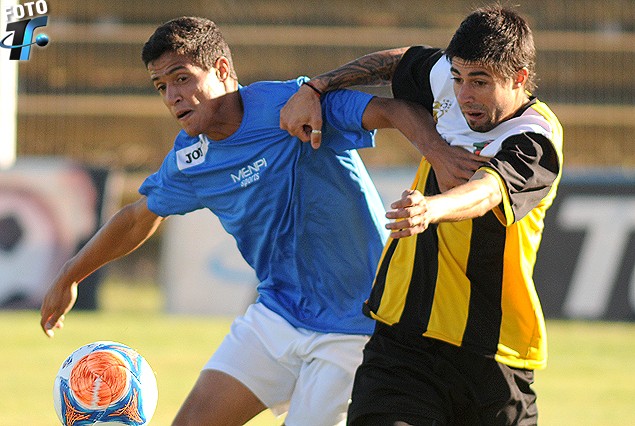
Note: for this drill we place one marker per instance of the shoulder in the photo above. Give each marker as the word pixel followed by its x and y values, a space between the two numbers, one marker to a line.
pixel 538 119
pixel 534 134
pixel 346 97
pixel 421 54
pixel 534 119
pixel 540 109
pixel 184 140
pixel 418 60
pixel 540 112
pixel 411 80
pixel 272 89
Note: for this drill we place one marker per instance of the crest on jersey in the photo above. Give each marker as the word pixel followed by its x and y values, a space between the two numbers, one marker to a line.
pixel 439 108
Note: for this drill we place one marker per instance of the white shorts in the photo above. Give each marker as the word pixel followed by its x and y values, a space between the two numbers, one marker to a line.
pixel 306 373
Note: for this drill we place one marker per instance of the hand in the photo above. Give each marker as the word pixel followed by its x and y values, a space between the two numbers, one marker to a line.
pixel 410 213
pixel 301 115
pixel 455 167
pixel 57 302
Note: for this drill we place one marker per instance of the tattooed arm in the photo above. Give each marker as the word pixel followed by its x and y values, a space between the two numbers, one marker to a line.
pixel 374 69
pixel 302 113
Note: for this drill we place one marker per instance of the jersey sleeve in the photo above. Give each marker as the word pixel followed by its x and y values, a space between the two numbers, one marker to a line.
pixel 526 167
pixel 169 191
pixel 342 129
pixel 411 80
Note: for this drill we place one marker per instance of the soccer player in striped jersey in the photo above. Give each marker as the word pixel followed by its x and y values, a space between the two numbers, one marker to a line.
pixel 460 328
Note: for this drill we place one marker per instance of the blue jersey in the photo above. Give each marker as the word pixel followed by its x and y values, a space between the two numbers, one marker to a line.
pixel 309 222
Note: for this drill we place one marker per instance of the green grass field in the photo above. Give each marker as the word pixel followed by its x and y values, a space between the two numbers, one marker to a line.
pixel 590 379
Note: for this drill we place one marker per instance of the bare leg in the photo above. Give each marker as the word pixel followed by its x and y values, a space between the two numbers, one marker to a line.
pixel 218 399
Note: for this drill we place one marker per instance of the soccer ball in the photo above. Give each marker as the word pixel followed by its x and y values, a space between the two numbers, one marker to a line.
pixel 105 383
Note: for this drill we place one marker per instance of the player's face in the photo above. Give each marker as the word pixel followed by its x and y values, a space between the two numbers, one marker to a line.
pixel 486 99
pixel 187 90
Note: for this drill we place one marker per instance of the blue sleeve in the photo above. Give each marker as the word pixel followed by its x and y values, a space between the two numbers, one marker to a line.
pixel 342 128
pixel 169 191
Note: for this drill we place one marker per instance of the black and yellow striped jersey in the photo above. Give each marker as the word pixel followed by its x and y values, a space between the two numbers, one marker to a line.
pixel 469 283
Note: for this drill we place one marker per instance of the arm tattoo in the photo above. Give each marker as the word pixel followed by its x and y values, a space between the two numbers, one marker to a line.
pixel 374 69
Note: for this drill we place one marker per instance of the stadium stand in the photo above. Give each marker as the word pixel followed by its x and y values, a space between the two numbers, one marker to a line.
pixel 87 96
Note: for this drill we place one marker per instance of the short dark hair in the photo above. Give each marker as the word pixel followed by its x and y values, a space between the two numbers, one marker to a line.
pixel 196 38
pixel 497 37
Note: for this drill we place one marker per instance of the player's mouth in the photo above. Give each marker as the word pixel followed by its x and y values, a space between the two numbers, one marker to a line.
pixel 476 117
pixel 180 115
pixel 473 115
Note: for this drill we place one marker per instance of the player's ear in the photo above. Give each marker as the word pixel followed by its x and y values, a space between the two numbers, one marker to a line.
pixel 222 68
pixel 521 77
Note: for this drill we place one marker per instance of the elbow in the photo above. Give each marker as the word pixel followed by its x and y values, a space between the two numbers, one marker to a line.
pixel 492 198
pixel 490 192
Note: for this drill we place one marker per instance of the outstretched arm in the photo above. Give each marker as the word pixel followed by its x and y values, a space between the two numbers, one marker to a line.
pixel 453 165
pixel 374 69
pixel 123 233
pixel 302 113
pixel 413 213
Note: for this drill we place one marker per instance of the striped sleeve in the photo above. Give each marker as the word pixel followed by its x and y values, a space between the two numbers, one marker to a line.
pixel 526 165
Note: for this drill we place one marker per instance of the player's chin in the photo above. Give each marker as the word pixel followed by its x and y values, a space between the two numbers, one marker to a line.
pixel 190 128
pixel 480 125
pixel 190 131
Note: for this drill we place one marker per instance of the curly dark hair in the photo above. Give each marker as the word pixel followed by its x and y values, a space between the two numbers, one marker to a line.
pixel 196 38
pixel 497 37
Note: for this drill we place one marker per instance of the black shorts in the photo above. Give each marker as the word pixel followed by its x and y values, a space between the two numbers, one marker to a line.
pixel 430 382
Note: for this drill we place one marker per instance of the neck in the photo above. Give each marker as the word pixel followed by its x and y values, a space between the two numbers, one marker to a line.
pixel 227 117
pixel 521 101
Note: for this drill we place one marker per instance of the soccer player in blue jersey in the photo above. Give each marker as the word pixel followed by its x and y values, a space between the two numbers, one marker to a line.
pixel 309 222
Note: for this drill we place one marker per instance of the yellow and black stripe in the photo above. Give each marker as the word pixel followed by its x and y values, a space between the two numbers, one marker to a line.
pixel 469 283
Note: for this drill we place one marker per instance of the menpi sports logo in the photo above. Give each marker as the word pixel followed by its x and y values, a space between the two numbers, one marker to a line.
pixel 250 173
pixel 22 21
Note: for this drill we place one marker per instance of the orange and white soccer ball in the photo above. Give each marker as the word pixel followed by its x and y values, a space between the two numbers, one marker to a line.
pixel 105 383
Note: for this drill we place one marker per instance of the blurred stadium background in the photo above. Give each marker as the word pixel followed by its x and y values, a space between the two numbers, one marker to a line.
pixel 87 95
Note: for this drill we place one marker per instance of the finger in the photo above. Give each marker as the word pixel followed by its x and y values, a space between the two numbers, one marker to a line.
pixel 402 224
pixel 478 158
pixel 406 227
pixel 402 203
pixel 48 326
pixel 406 218
pixel 404 213
pixel 316 138
pixel 408 232
pixel 302 132
pixel 461 153
pixel 288 120
pixel 315 123
pixel 52 323
pixel 409 198
pixel 283 122
pixel 305 134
